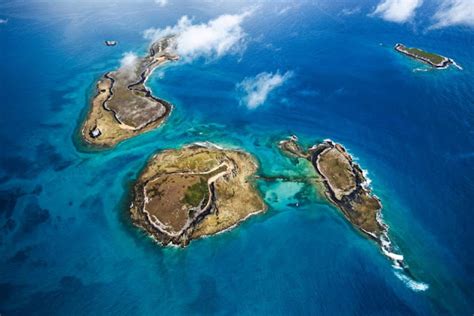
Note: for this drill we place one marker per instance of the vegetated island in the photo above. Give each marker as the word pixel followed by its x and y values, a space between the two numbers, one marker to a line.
pixel 123 106
pixel 431 59
pixel 198 190
pixel 347 188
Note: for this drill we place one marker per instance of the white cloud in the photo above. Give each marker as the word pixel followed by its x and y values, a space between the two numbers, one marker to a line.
pixel 129 61
pixel 161 3
pixel 257 89
pixel 128 65
pixel 350 11
pixel 398 11
pixel 209 40
pixel 455 12
pixel 284 10
pixel 3 21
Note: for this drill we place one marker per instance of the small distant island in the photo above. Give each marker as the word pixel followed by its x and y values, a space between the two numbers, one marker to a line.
pixel 198 190
pixel 123 106
pixel 346 187
pixel 110 43
pixel 431 59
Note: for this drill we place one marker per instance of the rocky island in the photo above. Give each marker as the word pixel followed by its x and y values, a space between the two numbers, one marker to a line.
pixel 431 59
pixel 345 186
pixel 110 43
pixel 123 106
pixel 195 191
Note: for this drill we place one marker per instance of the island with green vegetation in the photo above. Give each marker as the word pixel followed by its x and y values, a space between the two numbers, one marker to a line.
pixel 345 185
pixel 431 59
pixel 123 106
pixel 198 190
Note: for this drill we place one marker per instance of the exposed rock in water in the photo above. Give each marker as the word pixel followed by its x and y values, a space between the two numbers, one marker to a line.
pixel 111 43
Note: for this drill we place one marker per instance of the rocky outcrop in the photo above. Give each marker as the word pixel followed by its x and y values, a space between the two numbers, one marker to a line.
pixel 110 43
pixel 347 188
pixel 195 191
pixel 123 106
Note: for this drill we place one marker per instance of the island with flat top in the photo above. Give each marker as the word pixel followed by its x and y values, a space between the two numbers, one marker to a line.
pixel 198 190
pixel 123 106
pixel 345 186
pixel 431 59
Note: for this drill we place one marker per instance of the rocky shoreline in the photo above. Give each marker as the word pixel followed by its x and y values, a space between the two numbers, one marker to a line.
pixel 123 106
pixel 346 187
pixel 196 191
pixel 436 60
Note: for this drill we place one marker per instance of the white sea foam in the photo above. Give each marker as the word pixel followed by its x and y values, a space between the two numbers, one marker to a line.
pixel 457 65
pixel 420 70
pixel 385 242
pixel 366 184
pixel 207 145
pixel 412 284
pixel 392 255
pixel 386 245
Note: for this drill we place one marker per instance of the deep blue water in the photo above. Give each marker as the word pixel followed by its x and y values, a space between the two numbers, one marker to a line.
pixel 66 243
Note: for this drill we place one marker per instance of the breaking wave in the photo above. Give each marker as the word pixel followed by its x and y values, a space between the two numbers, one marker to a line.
pixel 412 284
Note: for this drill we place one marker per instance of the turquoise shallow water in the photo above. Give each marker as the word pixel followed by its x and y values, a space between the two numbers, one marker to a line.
pixel 66 242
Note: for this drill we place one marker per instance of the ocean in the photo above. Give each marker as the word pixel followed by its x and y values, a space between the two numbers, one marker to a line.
pixel 67 245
